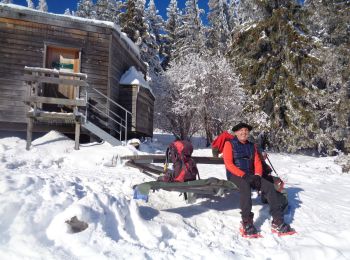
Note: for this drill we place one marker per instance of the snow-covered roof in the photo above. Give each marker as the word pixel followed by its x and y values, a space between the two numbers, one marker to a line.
pixel 132 46
pixel 134 77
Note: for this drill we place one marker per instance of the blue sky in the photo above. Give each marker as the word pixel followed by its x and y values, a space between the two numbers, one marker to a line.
pixel 59 6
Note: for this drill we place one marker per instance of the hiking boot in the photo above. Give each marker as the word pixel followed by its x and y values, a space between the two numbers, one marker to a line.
pixel 248 229
pixel 281 228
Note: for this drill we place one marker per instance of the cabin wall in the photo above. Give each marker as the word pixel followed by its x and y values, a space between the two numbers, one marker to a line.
pixel 120 61
pixel 22 43
pixel 140 102
pixel 145 111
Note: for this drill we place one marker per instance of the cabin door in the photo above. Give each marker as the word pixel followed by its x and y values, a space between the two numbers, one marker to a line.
pixel 63 59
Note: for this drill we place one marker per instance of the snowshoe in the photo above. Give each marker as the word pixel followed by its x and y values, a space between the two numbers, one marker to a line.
pixel 282 229
pixel 248 230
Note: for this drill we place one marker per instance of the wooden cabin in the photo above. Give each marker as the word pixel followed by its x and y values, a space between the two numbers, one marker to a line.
pixel 71 44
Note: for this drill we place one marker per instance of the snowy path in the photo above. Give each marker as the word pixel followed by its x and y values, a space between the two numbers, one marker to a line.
pixel 41 189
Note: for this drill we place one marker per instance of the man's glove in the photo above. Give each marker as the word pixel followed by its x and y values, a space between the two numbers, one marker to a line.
pixel 256 182
pixel 246 177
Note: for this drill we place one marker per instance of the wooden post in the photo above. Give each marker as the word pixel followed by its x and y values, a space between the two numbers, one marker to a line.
pixel 77 135
pixel 77 122
pixel 29 132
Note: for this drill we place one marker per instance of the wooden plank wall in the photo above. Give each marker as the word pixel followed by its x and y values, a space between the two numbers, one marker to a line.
pixel 121 60
pixel 140 101
pixel 145 110
pixel 22 40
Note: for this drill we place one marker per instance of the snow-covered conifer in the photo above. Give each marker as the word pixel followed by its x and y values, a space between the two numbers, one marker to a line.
pixel 190 32
pixel 30 4
pixel 42 6
pixel 277 66
pixel 232 14
pixel 85 9
pixel 156 30
pixel 6 1
pixel 171 37
pixel 218 31
pixel 67 12
pixel 329 24
pixel 249 11
pixel 133 22
pixel 106 10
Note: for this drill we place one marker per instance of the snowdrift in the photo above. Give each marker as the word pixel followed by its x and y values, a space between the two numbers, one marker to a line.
pixel 42 188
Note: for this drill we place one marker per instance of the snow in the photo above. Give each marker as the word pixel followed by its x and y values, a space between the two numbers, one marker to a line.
pixel 134 77
pixel 42 188
pixel 132 46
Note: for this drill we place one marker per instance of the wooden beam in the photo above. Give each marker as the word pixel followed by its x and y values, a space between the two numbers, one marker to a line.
pixel 57 101
pixel 160 158
pixel 55 72
pixel 42 79
pixel 51 115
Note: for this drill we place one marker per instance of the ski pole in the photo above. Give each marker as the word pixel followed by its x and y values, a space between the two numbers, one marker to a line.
pixel 267 157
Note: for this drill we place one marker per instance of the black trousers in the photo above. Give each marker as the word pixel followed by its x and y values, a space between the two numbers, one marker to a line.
pixel 245 186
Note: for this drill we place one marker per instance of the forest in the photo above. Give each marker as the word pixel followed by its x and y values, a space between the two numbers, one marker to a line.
pixel 280 65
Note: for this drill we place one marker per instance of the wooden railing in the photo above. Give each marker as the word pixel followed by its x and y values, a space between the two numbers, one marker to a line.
pixel 34 79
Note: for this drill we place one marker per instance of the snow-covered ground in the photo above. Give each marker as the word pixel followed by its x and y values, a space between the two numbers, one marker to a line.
pixel 42 188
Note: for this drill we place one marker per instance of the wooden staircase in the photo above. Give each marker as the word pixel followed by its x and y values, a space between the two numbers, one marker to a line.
pixel 69 111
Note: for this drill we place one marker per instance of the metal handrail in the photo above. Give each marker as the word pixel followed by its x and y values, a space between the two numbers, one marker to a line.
pixel 110 111
pixel 121 125
pixel 109 99
pixel 123 122
pixel 99 110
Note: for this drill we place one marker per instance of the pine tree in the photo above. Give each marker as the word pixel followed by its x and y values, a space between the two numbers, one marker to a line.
pixel 30 4
pixel 106 10
pixel 232 15
pixel 67 12
pixel 274 58
pixel 155 28
pixel 42 6
pixel 135 25
pixel 85 9
pixel 170 38
pixel 249 11
pixel 190 32
pixel 155 21
pixel 130 20
pixel 329 22
pixel 218 32
pixel 119 9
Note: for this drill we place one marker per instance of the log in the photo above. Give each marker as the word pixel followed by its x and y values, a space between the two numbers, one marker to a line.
pixel 160 158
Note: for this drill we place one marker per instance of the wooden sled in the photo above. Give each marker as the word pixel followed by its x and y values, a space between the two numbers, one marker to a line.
pixel 210 186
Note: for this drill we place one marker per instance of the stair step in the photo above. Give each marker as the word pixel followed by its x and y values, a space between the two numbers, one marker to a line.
pixel 101 133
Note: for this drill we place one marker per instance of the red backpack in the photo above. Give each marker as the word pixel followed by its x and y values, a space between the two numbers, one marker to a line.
pixel 184 167
pixel 218 144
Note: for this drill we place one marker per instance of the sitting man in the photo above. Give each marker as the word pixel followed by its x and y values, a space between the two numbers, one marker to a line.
pixel 244 168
